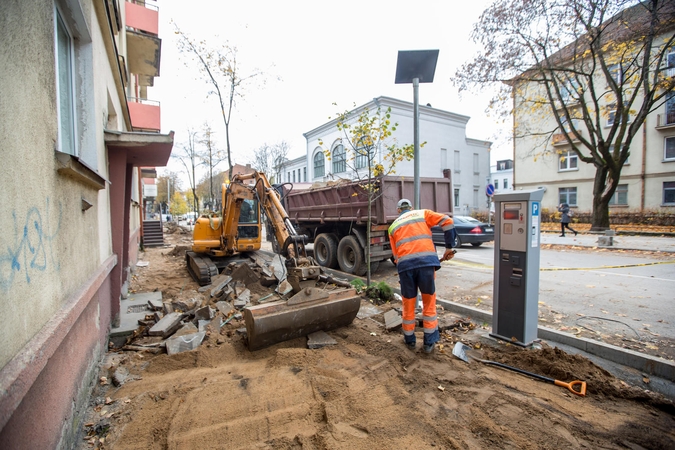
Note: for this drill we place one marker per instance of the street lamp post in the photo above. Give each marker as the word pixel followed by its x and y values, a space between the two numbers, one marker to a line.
pixel 416 66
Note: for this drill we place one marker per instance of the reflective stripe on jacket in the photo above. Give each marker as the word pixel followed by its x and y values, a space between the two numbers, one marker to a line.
pixel 410 237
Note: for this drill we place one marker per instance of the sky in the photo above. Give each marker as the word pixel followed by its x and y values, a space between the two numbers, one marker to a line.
pixel 318 59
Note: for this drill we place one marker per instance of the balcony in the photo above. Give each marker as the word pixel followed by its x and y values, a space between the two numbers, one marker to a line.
pixel 145 115
pixel 143 44
pixel 559 139
pixel 665 121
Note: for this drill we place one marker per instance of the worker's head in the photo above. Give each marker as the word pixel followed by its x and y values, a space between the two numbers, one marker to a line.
pixel 403 205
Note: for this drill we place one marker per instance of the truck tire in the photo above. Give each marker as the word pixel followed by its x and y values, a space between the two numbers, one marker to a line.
pixel 350 256
pixel 325 250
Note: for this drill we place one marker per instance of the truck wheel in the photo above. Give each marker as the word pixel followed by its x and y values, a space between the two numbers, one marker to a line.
pixel 325 250
pixel 374 265
pixel 350 256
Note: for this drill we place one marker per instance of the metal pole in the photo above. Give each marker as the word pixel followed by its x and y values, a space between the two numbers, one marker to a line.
pixel 416 132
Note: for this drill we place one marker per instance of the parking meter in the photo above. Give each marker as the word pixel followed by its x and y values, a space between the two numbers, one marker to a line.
pixel 516 269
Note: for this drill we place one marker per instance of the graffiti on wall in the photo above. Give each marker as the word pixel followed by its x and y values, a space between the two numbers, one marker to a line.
pixel 26 249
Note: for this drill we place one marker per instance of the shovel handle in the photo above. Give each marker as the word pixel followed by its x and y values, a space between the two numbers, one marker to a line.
pixel 571 386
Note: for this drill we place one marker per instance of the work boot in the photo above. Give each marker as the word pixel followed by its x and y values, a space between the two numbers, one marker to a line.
pixel 428 348
pixel 411 345
pixel 562 235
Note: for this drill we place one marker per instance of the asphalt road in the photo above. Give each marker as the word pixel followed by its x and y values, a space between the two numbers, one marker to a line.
pixel 620 293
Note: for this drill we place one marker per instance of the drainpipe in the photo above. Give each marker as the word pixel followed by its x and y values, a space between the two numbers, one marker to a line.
pixel 644 164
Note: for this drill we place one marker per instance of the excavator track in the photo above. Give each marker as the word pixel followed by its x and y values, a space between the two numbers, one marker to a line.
pixel 201 268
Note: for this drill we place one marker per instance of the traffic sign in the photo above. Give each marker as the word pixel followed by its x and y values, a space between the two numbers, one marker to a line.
pixel 490 190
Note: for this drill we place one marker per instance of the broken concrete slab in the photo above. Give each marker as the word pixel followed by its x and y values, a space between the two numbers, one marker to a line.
pixel 204 313
pixel 319 339
pixel 156 304
pixel 244 296
pixel 184 343
pixel 166 326
pixel 268 281
pixel 279 267
pixel 218 283
pixel 368 310
pixel 225 308
pixel 132 309
pixel 392 320
pixel 284 288
pixel 245 274
pixel 214 323
pixel 185 329
pixel 120 376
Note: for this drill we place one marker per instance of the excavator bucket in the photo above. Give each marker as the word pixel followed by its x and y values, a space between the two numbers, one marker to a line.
pixel 310 310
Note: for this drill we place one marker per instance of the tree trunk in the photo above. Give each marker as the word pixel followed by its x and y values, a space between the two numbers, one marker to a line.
pixel 600 213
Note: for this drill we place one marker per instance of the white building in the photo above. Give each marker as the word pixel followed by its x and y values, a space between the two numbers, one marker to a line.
pixel 501 176
pixel 447 152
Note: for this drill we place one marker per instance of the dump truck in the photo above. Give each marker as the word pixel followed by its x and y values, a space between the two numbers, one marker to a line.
pixel 334 216
pixel 307 306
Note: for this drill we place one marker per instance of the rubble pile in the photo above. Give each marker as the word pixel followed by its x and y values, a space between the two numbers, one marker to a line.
pixel 185 322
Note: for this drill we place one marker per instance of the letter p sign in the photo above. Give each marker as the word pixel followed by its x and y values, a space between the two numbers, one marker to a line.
pixel 535 208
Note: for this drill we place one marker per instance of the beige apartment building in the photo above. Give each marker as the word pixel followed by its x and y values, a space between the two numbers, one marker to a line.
pixel 543 157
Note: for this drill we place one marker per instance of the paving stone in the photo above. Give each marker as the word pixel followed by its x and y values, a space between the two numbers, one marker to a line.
pixel 320 339
pixel 166 326
pixel 184 343
pixel 392 320
pixel 213 323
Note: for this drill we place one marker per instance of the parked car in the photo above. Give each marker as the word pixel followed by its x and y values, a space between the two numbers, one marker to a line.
pixel 469 231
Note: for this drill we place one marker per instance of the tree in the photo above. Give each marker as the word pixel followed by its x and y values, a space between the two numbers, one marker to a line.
pixel 373 153
pixel 220 69
pixel 178 204
pixel 167 185
pixel 211 157
pixel 584 63
pixel 189 157
pixel 269 159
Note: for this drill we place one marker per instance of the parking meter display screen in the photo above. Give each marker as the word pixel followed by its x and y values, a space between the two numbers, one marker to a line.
pixel 510 214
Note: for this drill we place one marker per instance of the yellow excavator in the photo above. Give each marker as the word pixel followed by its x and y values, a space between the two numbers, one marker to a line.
pixel 311 305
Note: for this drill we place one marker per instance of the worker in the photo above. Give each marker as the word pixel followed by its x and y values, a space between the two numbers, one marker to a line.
pixel 417 262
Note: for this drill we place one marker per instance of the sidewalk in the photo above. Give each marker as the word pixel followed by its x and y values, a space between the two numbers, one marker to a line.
pixel 649 243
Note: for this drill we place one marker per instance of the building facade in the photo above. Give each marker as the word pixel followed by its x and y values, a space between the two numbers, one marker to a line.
pixel 447 152
pixel 77 127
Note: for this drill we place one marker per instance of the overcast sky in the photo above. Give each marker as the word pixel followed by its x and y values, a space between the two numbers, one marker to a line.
pixel 314 54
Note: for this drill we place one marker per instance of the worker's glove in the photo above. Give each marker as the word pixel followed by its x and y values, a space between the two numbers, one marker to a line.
pixel 449 254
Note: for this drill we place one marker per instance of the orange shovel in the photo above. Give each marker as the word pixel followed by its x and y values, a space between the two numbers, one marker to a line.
pixel 576 387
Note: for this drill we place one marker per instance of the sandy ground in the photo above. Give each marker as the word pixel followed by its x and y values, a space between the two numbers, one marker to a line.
pixel 367 392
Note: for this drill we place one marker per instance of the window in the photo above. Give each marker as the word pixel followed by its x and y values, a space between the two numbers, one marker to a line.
pixel 506 183
pixel 496 184
pixel 669 192
pixel 299 179
pixel 568 161
pixel 456 197
pixel 611 115
pixel 65 90
pixel 339 159
pixel 616 72
pixel 319 165
pixel 362 156
pixel 457 169
pixel 444 159
pixel 476 166
pixel 304 174
pixel 569 91
pixel 475 198
pixel 669 149
pixel 568 195
pixel 294 176
pixel 670 109
pixel 620 196
pixel 288 177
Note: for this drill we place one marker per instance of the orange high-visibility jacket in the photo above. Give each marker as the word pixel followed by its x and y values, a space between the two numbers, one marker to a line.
pixel 410 237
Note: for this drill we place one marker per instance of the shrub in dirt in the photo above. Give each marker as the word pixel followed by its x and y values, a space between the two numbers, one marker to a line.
pixel 380 293
pixel 358 284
